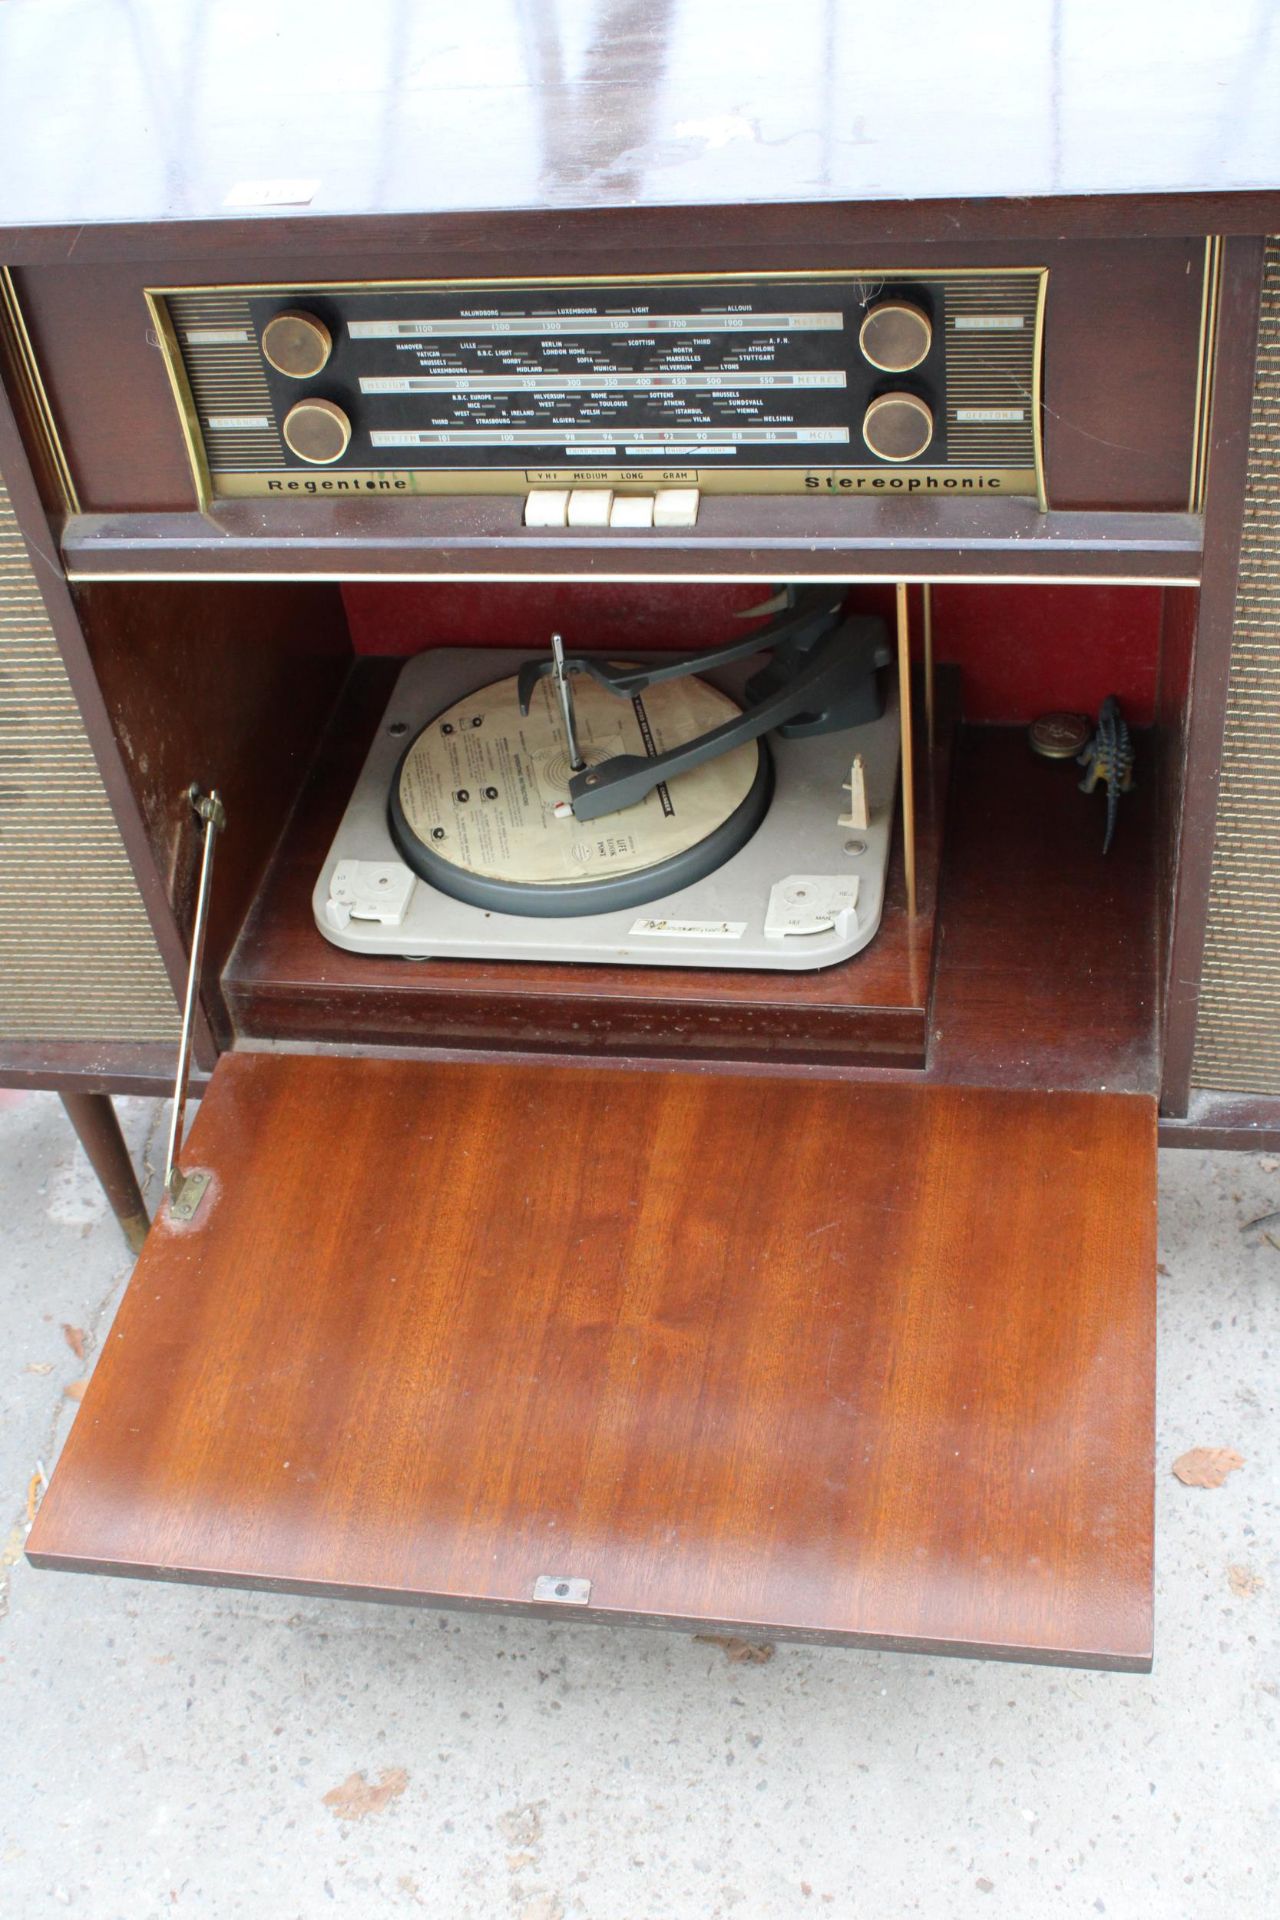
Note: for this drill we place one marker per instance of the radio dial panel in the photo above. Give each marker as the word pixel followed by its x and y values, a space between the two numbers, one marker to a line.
pixel 899 382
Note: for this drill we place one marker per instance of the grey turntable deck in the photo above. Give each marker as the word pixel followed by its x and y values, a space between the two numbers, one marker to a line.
pixel 802 862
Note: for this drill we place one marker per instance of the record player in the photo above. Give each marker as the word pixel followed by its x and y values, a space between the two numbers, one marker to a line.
pixel 731 808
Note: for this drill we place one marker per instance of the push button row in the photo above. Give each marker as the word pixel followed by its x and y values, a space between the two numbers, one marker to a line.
pixel 602 507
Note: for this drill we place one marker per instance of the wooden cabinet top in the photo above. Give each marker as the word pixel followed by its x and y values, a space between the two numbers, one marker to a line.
pixel 277 126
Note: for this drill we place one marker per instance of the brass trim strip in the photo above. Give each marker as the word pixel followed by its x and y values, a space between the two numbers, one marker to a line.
pixel 926 594
pixel 1037 392
pixel 1205 358
pixel 604 279
pixel 189 418
pixel 908 758
pixel 14 329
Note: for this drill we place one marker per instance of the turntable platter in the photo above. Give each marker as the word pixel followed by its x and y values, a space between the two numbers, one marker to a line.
pixel 473 805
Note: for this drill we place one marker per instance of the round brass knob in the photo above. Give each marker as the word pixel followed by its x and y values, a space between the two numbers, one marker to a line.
pixel 317 431
pixel 297 344
pixel 896 336
pixel 897 426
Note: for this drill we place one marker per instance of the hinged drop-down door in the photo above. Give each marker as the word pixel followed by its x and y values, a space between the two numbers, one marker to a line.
pixel 854 1362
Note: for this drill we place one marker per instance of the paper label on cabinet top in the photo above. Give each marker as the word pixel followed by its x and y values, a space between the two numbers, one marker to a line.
pixel 271 193
pixel 693 929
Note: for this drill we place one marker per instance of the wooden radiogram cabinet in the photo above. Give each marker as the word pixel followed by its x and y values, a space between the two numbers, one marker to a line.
pixel 813 1303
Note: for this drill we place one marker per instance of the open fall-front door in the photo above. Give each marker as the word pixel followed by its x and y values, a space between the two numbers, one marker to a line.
pixel 865 1363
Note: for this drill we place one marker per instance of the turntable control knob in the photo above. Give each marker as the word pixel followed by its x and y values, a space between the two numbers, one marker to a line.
pixel 297 343
pixel 895 336
pixel 317 431
pixel 897 426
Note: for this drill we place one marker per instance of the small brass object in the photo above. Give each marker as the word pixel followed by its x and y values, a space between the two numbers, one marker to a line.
pixel 1060 736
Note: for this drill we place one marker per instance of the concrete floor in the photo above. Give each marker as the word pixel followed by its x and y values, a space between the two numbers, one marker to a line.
pixel 166 1751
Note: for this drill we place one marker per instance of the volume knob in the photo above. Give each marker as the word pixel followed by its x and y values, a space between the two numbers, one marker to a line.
pixel 896 336
pixel 317 431
pixel 297 344
pixel 897 426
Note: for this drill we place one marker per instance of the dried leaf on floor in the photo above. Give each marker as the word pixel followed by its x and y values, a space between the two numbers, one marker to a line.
pixel 1264 1225
pixel 357 1797
pixel 1244 1582
pixel 750 1653
pixel 74 1337
pixel 38 1366
pixel 1207 1466
pixel 543 1906
pixel 1162 1270
pixel 74 1390
pixel 522 1826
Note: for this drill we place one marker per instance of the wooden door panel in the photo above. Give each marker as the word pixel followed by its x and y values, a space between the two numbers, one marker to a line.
pixel 864 1363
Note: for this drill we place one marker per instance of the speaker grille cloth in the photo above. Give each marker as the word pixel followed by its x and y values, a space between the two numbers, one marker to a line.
pixel 1238 1032
pixel 77 957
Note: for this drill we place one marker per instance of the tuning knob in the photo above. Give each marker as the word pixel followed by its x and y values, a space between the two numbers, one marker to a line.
pixel 895 336
pixel 897 426
pixel 317 431
pixel 297 344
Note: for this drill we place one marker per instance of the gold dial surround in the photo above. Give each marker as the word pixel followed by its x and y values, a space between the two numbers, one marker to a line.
pixel 898 426
pixel 896 336
pixel 297 344
pixel 317 431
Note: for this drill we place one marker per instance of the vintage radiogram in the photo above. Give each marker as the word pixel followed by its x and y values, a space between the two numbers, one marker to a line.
pixel 556 689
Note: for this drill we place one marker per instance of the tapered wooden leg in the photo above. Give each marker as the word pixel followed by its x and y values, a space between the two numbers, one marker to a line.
pixel 94 1119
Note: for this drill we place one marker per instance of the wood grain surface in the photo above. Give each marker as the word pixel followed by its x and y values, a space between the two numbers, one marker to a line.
pixel 1091 114
pixel 1047 968
pixel 748 537
pixel 226 687
pixel 870 1364
pixel 1122 329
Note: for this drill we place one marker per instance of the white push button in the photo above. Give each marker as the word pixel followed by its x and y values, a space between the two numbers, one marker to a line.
pixel 675 507
pixel 589 506
pixel 632 510
pixel 547 507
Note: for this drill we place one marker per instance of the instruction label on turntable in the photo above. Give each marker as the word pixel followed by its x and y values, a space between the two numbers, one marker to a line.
pixel 480 786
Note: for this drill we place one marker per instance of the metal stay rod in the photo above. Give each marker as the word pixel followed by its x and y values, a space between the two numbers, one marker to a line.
pixel 210 810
